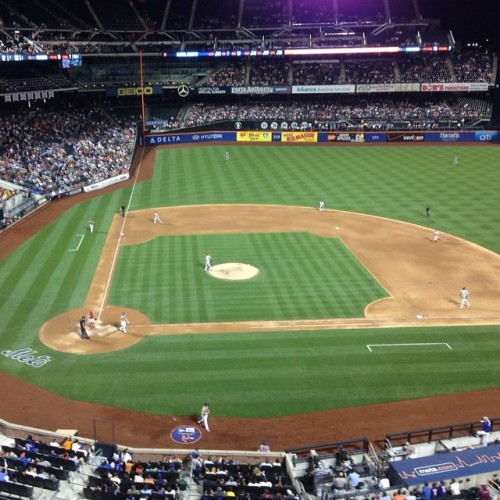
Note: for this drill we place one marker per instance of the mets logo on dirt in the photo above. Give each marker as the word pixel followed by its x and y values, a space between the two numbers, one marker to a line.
pixel 185 434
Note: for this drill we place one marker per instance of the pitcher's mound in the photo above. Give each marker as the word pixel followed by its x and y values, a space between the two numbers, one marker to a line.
pixel 234 271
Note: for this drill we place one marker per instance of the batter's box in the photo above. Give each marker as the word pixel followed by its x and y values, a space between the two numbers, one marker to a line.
pixel 104 330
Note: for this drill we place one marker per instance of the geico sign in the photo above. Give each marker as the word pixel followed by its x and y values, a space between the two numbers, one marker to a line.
pixel 135 91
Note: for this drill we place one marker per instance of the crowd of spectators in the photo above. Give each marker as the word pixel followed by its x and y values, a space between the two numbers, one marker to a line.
pixel 378 71
pixel 414 68
pixel 314 73
pixel 31 459
pixel 16 45
pixel 118 473
pixel 201 113
pixel 424 108
pixel 222 477
pixel 342 112
pixel 266 72
pixel 263 111
pixel 61 151
pixel 470 107
pixel 424 68
pixel 121 473
pixel 5 193
pixel 232 75
pixel 472 66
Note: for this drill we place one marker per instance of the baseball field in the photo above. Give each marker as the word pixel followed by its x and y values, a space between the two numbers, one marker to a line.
pixel 353 307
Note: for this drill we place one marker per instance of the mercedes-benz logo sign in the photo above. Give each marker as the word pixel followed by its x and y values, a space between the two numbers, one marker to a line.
pixel 183 90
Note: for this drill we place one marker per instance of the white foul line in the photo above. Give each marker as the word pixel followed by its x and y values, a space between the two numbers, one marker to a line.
pixel 115 257
pixel 78 246
pixel 369 346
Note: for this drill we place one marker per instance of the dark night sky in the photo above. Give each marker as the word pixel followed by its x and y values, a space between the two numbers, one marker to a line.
pixel 470 20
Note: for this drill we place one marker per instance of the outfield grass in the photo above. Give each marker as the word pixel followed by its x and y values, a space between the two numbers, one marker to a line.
pixel 272 373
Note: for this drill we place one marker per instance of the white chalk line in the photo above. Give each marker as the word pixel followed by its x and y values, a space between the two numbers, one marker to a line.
pixel 410 344
pixel 77 246
pixel 117 249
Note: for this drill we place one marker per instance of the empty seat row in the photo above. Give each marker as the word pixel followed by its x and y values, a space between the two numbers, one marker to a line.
pixel 17 490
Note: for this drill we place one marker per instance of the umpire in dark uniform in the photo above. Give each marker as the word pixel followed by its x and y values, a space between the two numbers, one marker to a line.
pixel 83 329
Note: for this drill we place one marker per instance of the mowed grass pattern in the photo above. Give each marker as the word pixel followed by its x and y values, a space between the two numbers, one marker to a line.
pixel 302 276
pixel 391 181
pixel 270 373
pixel 265 375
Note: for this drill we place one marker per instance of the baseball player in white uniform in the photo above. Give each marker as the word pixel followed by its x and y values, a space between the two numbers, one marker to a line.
pixel 436 236
pixel 157 219
pixel 123 322
pixel 208 262
pixel 464 298
pixel 321 206
pixel 205 412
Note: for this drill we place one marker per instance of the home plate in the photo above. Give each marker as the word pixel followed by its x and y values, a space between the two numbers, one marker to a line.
pixel 104 330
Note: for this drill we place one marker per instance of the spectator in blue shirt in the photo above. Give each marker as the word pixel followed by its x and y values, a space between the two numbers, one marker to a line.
pixel 353 479
pixel 426 493
pixel 485 431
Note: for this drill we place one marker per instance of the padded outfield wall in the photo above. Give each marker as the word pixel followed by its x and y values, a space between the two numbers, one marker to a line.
pixel 306 136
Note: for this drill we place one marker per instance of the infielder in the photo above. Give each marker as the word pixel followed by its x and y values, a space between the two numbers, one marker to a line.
pixel 208 262
pixel 321 206
pixel 435 239
pixel 464 298
pixel 123 322
pixel 205 412
pixel 156 219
